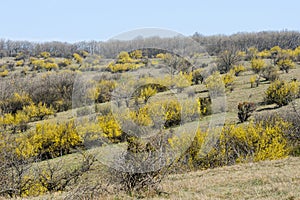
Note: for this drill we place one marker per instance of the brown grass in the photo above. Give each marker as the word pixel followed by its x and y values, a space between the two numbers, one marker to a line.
pixel 271 180
pixel 264 180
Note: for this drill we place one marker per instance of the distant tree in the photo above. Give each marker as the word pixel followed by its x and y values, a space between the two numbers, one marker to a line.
pixel 227 59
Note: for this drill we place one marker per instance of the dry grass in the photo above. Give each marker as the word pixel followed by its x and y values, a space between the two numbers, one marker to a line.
pixel 278 179
pixel 264 180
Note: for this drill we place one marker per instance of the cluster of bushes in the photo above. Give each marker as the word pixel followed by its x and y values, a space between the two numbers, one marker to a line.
pixel 18 121
pixel 127 61
pixel 41 64
pixel 239 143
pixel 123 67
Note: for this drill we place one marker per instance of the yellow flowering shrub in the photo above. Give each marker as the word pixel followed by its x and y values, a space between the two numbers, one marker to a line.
pixel 37 112
pixel 285 65
pixel 4 73
pixel 77 58
pixel 161 55
pixel 141 117
pixel 238 69
pixel 123 67
pixel 264 54
pixel 282 92
pixel 15 102
pixel 45 54
pixel 20 63
pixel 15 123
pixel 124 57
pixel 229 78
pixel 257 65
pixel 102 90
pixel 42 64
pixel 49 140
pixel 147 92
pixel 237 143
pixel 111 128
pixel 136 54
pixel 183 80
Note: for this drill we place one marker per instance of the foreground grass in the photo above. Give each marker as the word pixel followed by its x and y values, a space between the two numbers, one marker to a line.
pixel 263 180
pixel 279 179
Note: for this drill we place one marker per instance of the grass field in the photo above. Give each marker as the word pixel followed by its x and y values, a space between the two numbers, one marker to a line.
pixel 272 180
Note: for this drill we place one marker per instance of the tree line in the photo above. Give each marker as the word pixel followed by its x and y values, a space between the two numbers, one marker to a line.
pixel 182 45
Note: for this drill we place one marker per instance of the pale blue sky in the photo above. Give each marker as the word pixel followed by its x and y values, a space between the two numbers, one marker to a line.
pixel 73 20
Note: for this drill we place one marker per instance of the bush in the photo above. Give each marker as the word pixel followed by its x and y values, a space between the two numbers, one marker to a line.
pixel 42 64
pixel 228 79
pixel 292 135
pixel 167 113
pixel 171 111
pixel 15 123
pixel 143 165
pixel 215 85
pixel 147 92
pixel 53 89
pixel 123 67
pixel 282 92
pixel 285 65
pixel 238 69
pixel 182 80
pixel 197 76
pixel 270 73
pixel 254 80
pixel 111 128
pixel 124 57
pixel 257 65
pixel 49 140
pixel 205 105
pixel 78 58
pixel 136 54
pixel 14 103
pixel 38 112
pixel 239 143
pixel 20 63
pixel 244 110
pixel 45 54
pixel 4 73
pixel 64 63
pixel 102 91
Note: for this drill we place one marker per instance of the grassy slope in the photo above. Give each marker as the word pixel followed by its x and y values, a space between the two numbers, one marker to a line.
pixel 278 179
pixel 264 180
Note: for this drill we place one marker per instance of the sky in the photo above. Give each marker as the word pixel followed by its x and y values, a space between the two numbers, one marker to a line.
pixel 85 20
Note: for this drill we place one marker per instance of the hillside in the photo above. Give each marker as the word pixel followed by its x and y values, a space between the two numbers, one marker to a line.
pixel 276 180
pixel 151 124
